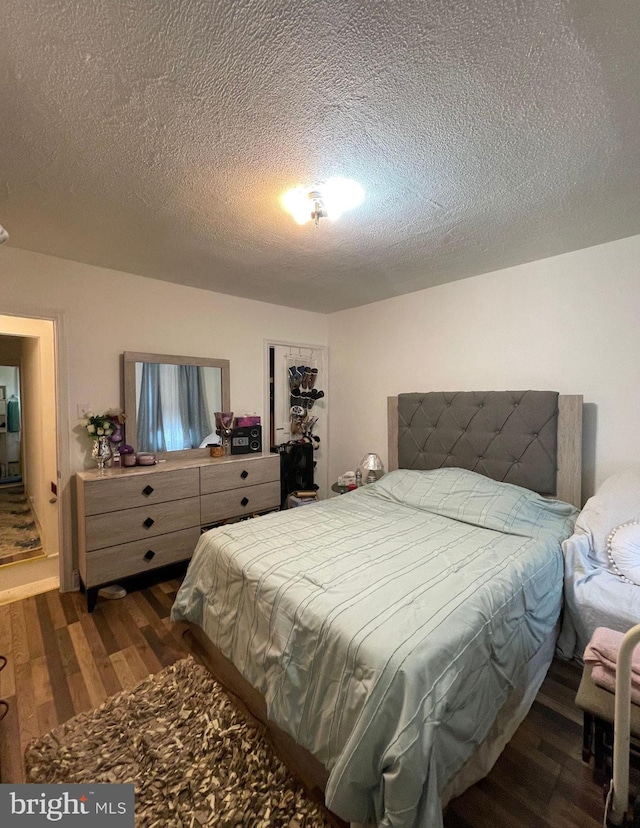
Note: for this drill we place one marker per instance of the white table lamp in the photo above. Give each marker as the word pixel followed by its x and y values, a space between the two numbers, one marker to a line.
pixel 372 464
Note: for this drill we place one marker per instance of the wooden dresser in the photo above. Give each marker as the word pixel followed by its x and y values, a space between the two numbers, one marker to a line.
pixel 132 520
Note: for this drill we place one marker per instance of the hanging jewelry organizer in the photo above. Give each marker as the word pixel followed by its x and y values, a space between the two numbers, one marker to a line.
pixel 303 395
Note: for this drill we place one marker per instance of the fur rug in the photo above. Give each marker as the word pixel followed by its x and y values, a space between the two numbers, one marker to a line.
pixel 193 757
pixel 19 537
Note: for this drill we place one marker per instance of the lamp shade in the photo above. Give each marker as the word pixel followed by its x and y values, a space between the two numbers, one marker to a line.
pixel 371 462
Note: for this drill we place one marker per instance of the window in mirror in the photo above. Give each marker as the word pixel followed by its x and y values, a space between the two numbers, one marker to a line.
pixel 173 400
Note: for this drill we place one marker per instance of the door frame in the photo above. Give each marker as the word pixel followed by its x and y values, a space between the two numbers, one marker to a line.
pixel 271 343
pixel 63 482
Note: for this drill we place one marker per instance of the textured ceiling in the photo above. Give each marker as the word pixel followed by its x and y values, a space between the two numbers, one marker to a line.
pixel 156 136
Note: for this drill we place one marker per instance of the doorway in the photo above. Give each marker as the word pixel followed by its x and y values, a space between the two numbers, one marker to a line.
pixel 29 453
pixel 20 534
pixel 283 358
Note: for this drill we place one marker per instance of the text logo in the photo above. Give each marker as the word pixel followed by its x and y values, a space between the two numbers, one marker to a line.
pixel 33 806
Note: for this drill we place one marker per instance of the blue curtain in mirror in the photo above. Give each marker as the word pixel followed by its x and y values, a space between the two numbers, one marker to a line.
pixel 173 412
pixel 150 424
pixel 193 404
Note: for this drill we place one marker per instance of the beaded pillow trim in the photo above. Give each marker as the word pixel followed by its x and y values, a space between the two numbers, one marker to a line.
pixel 610 552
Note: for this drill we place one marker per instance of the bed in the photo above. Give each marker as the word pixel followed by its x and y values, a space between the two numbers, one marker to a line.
pixel 602 591
pixel 394 637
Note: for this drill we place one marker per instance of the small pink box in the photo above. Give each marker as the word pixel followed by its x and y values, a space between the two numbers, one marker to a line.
pixel 243 422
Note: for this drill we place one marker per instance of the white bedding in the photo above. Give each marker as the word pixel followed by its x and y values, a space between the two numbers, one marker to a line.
pixel 594 595
pixel 385 628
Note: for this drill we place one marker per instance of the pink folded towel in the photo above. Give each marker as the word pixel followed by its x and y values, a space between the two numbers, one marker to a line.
pixel 602 653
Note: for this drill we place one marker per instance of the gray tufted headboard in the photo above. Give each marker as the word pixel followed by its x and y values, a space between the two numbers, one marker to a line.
pixel 529 438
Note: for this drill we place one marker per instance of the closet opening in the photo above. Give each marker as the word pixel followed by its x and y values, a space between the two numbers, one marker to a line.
pixel 296 401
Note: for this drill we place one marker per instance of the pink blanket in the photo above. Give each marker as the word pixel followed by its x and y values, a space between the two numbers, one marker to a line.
pixel 602 653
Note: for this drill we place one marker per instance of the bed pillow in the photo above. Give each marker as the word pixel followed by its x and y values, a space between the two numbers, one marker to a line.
pixel 472 498
pixel 617 501
pixel 623 549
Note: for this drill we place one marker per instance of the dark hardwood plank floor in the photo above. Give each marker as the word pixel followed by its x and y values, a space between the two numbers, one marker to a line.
pixel 63 660
pixel 540 779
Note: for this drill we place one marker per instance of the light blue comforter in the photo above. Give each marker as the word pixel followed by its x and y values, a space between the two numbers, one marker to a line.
pixel 385 627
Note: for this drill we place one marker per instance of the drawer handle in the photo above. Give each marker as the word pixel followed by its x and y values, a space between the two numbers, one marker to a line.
pixel 244 474
pixel 244 501
pixel 149 554
pixel 148 522
pixel 147 490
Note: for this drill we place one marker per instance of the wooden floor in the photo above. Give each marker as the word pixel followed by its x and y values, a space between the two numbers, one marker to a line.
pixel 540 779
pixel 63 661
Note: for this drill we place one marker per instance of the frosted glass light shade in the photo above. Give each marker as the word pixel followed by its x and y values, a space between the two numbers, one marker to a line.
pixel 371 462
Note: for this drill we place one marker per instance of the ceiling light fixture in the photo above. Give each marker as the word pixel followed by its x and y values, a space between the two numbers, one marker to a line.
pixel 3 235
pixel 325 199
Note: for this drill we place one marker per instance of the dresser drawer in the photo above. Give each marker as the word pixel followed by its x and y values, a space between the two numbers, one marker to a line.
pixel 132 558
pixel 246 501
pixel 147 521
pixel 112 494
pixel 239 474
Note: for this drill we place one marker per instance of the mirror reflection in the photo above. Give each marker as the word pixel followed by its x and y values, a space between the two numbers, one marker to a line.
pixel 174 405
pixel 173 401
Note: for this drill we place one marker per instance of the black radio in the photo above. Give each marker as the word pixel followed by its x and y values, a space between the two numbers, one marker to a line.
pixel 246 439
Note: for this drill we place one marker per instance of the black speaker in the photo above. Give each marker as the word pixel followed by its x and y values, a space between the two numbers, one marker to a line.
pixel 246 439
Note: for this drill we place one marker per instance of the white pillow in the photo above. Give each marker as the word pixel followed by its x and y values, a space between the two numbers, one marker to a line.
pixel 623 549
pixel 616 501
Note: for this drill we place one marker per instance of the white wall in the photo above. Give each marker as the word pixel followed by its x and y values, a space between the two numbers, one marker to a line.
pixel 568 323
pixel 107 312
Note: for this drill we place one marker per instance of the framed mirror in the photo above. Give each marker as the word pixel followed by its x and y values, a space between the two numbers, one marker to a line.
pixel 170 402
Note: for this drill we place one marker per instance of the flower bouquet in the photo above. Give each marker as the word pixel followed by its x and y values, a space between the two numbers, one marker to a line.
pixel 98 425
pixel 104 429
